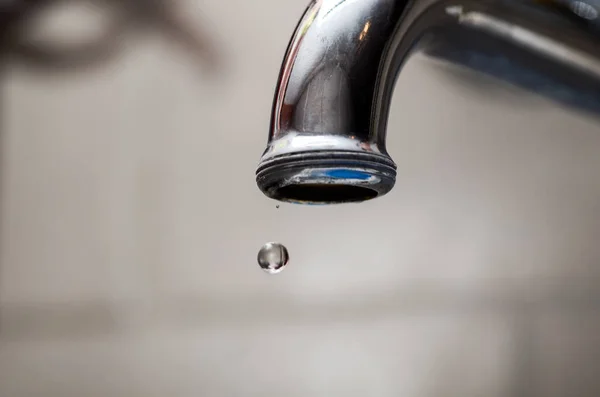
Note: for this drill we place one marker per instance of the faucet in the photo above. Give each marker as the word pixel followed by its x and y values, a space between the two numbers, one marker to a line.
pixel 327 138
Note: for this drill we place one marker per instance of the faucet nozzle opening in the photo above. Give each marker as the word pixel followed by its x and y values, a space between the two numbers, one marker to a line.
pixel 323 194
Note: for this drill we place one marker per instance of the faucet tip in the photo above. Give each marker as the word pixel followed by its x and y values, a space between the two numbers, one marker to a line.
pixel 326 177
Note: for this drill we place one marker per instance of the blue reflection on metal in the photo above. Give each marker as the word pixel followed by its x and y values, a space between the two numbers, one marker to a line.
pixel 348 174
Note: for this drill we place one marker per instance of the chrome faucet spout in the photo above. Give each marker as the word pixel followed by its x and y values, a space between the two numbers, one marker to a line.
pixel 327 140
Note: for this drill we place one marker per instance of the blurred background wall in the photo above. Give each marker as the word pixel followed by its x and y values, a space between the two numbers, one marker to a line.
pixel 130 223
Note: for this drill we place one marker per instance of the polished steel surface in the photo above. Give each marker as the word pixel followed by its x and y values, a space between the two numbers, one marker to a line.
pixel 327 140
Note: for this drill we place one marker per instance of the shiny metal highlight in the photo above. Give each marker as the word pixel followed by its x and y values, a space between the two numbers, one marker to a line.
pixel 329 118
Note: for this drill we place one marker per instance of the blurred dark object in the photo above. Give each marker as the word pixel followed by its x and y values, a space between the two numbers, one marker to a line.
pixel 126 17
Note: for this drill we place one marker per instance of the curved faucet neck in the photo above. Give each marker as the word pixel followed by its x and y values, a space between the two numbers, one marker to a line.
pixel 327 141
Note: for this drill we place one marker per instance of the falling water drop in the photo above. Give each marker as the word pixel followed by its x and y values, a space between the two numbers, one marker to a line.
pixel 273 257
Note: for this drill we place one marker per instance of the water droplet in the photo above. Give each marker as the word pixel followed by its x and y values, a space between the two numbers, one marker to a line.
pixel 273 257
pixel 276 206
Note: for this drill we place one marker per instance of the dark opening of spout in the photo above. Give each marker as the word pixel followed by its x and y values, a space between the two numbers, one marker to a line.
pixel 323 194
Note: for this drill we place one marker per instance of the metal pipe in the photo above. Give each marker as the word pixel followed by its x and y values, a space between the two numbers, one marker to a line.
pixel 327 139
